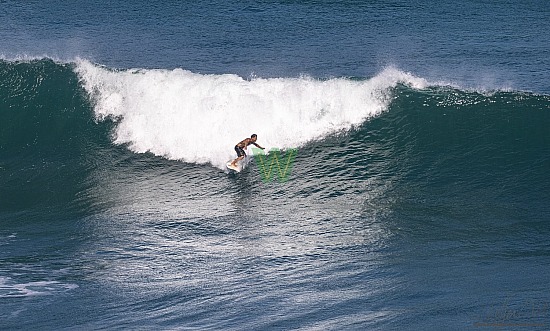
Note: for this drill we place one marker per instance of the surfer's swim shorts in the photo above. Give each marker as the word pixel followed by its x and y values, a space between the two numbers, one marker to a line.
pixel 240 151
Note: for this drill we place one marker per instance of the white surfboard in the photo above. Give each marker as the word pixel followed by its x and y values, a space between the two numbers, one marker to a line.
pixel 237 168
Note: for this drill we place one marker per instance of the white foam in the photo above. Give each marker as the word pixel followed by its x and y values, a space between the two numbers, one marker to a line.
pixel 199 118
pixel 11 289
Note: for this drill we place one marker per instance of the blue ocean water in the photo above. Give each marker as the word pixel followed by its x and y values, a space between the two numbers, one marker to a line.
pixel 418 198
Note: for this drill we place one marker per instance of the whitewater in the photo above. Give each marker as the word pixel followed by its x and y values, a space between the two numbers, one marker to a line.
pixel 197 118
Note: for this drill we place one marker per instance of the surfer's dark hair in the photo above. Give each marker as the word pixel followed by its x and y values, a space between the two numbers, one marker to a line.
pixel 254 135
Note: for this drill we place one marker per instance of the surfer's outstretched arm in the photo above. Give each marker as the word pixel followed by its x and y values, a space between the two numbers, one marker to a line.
pixel 258 145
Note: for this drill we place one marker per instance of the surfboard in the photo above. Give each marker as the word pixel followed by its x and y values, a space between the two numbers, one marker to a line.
pixel 237 168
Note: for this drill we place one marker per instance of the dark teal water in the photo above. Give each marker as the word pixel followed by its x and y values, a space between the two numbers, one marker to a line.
pixel 418 198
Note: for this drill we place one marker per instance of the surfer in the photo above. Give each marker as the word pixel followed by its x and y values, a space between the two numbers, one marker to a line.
pixel 240 147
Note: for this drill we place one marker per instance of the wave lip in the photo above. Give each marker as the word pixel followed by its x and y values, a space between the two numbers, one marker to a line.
pixel 198 118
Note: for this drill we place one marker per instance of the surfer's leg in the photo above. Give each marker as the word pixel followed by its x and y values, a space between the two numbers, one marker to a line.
pixel 240 153
pixel 234 163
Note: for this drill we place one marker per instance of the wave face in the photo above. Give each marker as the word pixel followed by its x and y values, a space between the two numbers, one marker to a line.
pixel 48 137
pixel 38 105
pixel 457 142
pixel 198 118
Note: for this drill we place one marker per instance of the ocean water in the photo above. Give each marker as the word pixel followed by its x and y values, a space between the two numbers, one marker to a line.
pixel 418 198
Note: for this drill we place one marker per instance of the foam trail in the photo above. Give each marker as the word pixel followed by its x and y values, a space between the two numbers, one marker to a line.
pixel 10 289
pixel 198 118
